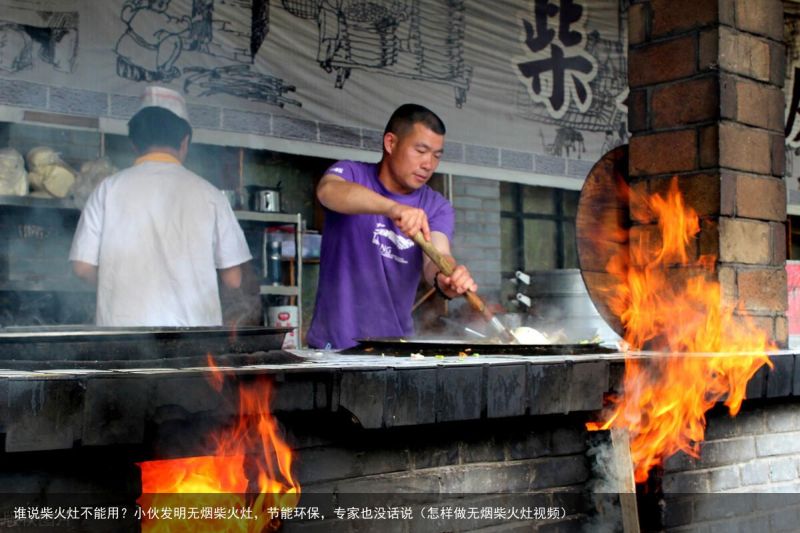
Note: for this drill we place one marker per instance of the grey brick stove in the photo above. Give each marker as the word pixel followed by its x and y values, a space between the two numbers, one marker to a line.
pixel 470 428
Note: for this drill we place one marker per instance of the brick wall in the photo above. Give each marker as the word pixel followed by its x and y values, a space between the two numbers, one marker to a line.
pixel 477 234
pixel 706 105
pixel 542 462
pixel 739 483
pixel 94 482
pixel 468 465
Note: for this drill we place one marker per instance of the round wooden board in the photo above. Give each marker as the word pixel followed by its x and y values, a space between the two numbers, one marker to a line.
pixel 602 228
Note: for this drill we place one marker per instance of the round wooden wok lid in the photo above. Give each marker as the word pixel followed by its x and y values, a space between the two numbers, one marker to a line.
pixel 602 226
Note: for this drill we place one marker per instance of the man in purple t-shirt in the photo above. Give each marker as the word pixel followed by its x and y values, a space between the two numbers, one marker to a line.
pixel 370 267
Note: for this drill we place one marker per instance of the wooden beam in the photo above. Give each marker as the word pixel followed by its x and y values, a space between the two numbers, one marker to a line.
pixel 621 449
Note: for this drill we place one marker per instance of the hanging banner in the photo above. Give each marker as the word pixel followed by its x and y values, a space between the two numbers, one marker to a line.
pixel 525 87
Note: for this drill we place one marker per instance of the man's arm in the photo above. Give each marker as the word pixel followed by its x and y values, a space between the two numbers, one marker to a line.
pixel 231 277
pixel 242 306
pixel 85 271
pixel 85 250
pixel 459 282
pixel 348 198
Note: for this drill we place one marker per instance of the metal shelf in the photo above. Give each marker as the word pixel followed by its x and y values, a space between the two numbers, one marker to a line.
pixel 257 218
pixel 279 290
pixel 37 202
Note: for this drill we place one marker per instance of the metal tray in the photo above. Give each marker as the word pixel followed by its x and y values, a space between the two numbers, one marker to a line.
pixel 401 347
pixel 93 347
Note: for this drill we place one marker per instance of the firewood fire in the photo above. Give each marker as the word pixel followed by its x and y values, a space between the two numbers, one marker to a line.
pixel 249 474
pixel 704 349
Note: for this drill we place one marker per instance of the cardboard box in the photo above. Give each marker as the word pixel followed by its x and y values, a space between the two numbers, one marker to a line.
pixel 793 288
pixel 284 316
pixel 312 243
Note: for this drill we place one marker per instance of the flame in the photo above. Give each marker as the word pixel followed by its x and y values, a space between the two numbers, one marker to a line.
pixel 252 446
pixel 672 304
pixel 216 378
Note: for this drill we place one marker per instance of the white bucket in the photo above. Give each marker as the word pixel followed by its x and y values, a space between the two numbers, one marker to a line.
pixel 284 316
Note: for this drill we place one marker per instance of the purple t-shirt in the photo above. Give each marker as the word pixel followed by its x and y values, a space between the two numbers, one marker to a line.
pixel 369 269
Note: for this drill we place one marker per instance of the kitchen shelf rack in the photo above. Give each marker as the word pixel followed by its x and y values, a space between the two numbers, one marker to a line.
pixel 295 291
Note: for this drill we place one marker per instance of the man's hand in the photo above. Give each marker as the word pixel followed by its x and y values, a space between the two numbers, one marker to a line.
pixel 459 282
pixel 410 220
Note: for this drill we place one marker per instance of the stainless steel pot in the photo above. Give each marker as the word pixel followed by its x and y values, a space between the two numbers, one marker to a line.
pixel 264 199
pixel 267 201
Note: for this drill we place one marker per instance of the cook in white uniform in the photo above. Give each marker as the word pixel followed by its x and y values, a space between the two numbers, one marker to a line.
pixel 154 236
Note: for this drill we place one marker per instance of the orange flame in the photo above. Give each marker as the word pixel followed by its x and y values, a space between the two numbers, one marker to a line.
pixel 216 379
pixel 221 482
pixel 670 303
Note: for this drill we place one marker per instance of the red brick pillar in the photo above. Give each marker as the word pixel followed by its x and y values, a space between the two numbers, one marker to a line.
pixel 706 105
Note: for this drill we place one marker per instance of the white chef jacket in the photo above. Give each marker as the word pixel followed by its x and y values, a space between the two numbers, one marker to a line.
pixel 158 233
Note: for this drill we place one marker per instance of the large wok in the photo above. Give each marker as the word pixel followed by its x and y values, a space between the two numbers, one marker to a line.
pixel 404 347
pixel 602 227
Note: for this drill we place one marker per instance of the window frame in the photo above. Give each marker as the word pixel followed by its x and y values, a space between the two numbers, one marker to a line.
pixel 519 216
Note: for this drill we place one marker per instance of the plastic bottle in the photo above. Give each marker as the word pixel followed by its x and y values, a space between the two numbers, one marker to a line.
pixel 274 275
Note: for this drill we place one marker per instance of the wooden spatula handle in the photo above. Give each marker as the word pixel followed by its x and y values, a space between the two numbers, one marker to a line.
pixel 474 300
pixel 431 251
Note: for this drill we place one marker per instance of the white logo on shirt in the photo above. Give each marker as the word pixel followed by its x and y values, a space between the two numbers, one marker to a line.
pixel 386 250
pixel 338 170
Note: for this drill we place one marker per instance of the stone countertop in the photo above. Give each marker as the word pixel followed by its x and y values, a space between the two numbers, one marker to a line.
pixel 310 360
pixel 62 409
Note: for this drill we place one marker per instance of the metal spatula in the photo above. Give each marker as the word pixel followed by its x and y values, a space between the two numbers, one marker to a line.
pixel 474 300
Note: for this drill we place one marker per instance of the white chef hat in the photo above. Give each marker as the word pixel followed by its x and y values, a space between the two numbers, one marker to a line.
pixel 156 96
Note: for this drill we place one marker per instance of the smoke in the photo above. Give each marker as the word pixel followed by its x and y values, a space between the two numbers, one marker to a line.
pixel 38 286
pixel 605 488
pixel 242 306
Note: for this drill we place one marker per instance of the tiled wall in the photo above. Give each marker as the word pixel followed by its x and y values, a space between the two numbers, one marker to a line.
pixel 476 242
pixel 27 95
